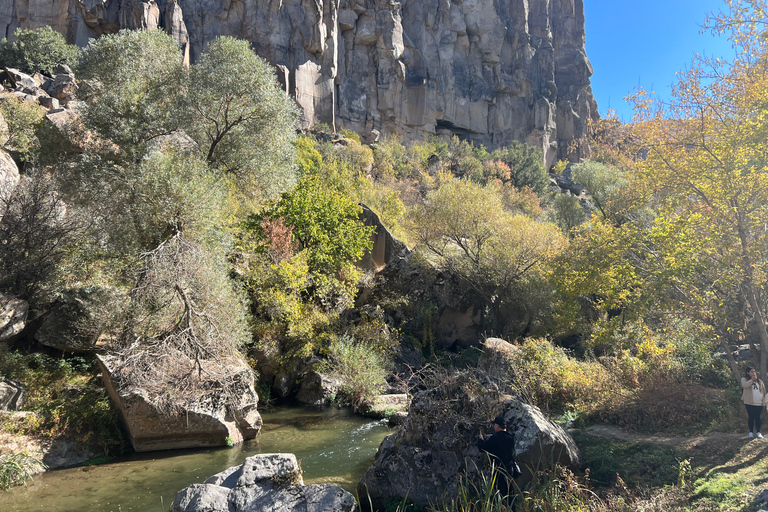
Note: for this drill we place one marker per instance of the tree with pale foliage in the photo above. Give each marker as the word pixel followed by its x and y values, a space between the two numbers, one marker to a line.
pixel 465 228
pixel 241 119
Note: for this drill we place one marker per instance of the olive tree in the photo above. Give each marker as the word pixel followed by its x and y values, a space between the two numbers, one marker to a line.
pixel 133 81
pixel 37 50
pixel 242 121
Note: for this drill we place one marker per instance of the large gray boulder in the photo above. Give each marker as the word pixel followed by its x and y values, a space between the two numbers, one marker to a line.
pixel 270 482
pixel 206 422
pixel 385 246
pixel 13 316
pixel 436 445
pixel 493 72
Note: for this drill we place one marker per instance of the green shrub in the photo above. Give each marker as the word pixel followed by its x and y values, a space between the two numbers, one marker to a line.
pixel 17 468
pixel 37 50
pixel 551 379
pixel 526 166
pixel 66 397
pixel 24 119
pixel 362 367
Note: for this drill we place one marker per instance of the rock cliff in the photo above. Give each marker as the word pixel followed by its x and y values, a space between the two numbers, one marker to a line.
pixel 491 71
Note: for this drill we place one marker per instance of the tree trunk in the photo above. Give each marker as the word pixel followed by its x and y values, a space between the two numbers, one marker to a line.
pixel 761 330
pixel 731 361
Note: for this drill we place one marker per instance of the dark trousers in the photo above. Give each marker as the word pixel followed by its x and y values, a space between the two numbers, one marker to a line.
pixel 506 488
pixel 753 413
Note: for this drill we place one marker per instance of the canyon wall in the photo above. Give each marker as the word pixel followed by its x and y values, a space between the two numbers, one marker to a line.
pixel 491 71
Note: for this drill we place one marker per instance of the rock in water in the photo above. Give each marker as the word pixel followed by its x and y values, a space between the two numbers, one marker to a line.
pixel 490 71
pixel 208 422
pixel 263 482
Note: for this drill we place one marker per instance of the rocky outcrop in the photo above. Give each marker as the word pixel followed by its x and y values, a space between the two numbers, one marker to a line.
pixel 9 171
pixel 207 422
pixel 54 453
pixel 385 406
pixel 263 482
pixel 490 71
pixel 436 445
pixel 385 246
pixel 13 316
pixel 444 312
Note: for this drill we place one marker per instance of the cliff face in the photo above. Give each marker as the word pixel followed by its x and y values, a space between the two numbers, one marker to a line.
pixel 492 71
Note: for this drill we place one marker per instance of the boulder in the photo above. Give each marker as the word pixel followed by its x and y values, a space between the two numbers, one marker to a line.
pixel 21 81
pixel 263 482
pixel 48 102
pixel 80 316
pixel 9 171
pixel 11 395
pixel 317 388
pixel 63 87
pixel 564 182
pixel 435 447
pixel 439 308
pixel 204 423
pixel 497 358
pixel 13 316
pixel 60 124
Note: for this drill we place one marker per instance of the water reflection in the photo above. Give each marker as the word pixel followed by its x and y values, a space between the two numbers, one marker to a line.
pixel 333 446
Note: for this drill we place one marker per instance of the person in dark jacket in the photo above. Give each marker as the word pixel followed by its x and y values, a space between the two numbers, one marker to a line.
pixel 500 446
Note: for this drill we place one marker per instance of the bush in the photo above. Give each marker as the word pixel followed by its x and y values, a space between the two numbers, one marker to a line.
pixel 551 379
pixel 526 166
pixel 36 231
pixel 37 50
pixel 361 366
pixel 24 119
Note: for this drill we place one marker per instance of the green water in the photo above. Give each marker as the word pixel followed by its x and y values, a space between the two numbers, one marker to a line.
pixel 333 446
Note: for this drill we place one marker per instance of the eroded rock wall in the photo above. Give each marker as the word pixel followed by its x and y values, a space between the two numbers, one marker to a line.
pixel 492 71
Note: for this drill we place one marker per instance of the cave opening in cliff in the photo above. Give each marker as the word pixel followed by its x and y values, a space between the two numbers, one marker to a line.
pixel 460 132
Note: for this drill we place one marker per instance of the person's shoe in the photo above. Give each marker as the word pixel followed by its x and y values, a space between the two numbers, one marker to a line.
pixel 759 435
pixel 751 435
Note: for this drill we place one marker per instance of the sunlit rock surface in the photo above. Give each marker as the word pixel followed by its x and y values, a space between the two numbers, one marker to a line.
pixel 492 71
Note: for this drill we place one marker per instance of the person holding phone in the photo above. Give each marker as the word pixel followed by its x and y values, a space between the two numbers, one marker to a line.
pixel 753 396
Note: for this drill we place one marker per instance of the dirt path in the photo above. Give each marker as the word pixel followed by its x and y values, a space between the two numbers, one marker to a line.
pixel 617 434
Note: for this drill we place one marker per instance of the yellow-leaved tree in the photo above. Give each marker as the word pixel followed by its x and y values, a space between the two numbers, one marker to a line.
pixel 704 158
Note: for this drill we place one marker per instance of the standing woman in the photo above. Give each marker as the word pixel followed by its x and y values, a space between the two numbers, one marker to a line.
pixel 753 397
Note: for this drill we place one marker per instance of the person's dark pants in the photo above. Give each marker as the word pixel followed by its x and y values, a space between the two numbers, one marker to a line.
pixel 753 414
pixel 506 488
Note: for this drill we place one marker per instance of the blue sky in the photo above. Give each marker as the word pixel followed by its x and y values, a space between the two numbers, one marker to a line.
pixel 644 43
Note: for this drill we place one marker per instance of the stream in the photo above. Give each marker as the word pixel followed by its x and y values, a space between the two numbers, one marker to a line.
pixel 333 446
